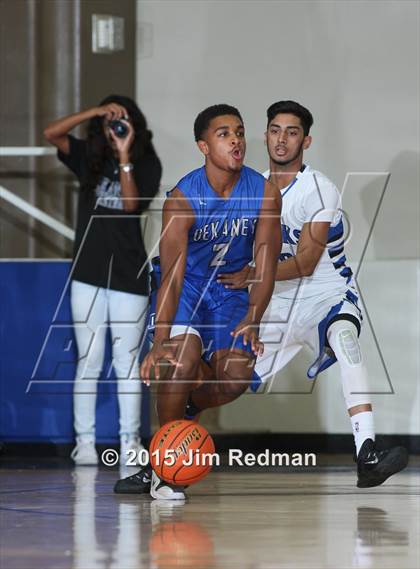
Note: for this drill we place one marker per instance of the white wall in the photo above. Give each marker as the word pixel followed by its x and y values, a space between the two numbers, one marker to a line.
pixel 355 65
pixel 393 368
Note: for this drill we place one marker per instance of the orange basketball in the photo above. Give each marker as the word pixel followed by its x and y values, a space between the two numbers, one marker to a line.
pixel 181 544
pixel 181 452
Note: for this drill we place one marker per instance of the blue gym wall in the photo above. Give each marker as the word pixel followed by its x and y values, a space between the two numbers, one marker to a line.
pixel 38 406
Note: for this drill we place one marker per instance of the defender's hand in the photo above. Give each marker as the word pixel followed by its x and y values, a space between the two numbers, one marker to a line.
pixel 240 279
pixel 249 330
pixel 160 351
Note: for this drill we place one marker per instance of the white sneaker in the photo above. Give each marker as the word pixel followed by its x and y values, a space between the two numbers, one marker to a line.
pixel 130 447
pixel 84 453
pixel 161 490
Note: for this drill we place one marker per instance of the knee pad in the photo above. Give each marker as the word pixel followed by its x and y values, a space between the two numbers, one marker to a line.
pixel 342 337
pixel 349 346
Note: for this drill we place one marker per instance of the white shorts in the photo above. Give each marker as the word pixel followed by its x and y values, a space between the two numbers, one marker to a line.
pixel 289 324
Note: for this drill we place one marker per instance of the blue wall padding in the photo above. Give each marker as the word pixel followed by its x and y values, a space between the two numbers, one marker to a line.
pixel 38 359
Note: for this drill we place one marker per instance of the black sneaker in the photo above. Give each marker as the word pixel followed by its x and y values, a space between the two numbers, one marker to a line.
pixel 191 410
pixel 375 466
pixel 138 483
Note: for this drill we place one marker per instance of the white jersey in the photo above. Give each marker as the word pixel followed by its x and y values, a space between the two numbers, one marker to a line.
pixel 312 197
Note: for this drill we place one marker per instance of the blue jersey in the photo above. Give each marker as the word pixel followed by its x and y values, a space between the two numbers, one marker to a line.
pixel 222 237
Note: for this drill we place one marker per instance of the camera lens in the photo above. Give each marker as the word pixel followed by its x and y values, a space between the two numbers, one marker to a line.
pixel 119 128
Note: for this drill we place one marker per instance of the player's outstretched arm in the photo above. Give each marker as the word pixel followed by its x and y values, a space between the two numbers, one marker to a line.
pixel 177 218
pixel 312 242
pixel 267 250
pixel 321 205
pixel 311 245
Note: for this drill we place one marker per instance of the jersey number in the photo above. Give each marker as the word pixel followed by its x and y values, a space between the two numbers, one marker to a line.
pixel 220 249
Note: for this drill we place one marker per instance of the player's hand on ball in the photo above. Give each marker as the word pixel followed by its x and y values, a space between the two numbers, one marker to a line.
pixel 249 330
pixel 164 350
pixel 240 279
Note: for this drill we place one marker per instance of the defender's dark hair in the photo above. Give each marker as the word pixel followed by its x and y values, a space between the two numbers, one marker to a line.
pixel 292 108
pixel 98 148
pixel 201 123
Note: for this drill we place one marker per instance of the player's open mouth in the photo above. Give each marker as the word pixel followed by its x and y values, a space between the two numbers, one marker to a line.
pixel 237 154
pixel 281 150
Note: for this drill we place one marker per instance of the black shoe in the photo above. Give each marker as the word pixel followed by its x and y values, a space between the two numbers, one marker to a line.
pixel 138 483
pixel 191 410
pixel 375 466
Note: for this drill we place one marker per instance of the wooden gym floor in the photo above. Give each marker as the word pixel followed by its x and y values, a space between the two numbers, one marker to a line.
pixel 65 517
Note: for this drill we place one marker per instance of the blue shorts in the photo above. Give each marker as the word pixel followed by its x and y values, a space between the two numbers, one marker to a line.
pixel 206 309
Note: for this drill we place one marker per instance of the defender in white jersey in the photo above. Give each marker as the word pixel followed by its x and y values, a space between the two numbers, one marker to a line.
pixel 315 302
pixel 303 308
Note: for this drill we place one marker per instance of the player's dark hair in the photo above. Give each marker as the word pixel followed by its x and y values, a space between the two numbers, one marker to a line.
pixel 201 123
pixel 98 148
pixel 292 108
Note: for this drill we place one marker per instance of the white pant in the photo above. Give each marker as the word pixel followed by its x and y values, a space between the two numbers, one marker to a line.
pixel 288 325
pixel 92 309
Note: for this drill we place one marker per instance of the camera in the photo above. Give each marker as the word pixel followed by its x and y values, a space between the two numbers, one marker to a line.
pixel 119 128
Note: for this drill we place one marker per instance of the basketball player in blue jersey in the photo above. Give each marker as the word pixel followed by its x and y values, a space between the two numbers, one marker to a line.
pixel 315 302
pixel 217 219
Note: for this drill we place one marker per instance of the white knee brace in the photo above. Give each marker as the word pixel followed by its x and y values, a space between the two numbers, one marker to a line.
pixel 343 339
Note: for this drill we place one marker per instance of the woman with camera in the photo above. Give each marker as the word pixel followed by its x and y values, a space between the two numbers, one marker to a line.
pixel 119 174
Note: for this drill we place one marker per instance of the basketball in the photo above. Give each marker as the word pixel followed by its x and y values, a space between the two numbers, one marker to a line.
pixel 180 544
pixel 180 452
